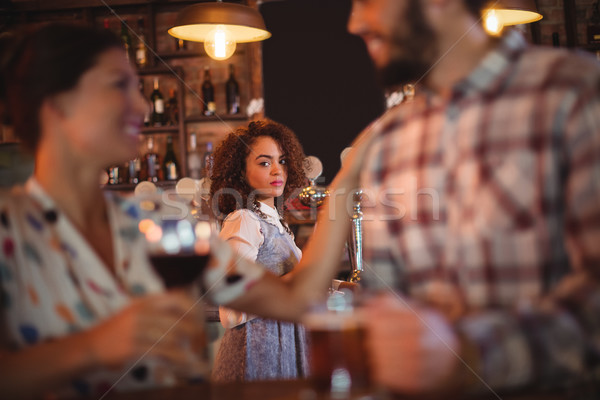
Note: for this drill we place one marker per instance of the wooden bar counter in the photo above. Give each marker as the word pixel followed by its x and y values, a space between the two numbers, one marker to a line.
pixel 299 390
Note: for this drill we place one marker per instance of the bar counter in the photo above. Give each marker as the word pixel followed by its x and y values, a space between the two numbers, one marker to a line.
pixel 300 390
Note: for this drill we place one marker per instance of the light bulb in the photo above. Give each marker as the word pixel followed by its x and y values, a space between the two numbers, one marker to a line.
pixel 492 24
pixel 219 45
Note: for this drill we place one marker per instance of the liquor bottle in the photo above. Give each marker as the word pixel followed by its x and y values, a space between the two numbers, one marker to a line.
pixel 555 39
pixel 233 93
pixel 593 28
pixel 207 161
pixel 151 162
pixel 180 44
pixel 170 166
pixel 158 106
pixel 208 94
pixel 126 38
pixel 194 159
pixel 114 175
pixel 147 113
pixel 106 23
pixel 141 53
pixel 172 108
pixel 133 170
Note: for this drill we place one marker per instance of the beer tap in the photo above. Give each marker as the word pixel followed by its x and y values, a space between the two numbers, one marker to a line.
pixel 355 241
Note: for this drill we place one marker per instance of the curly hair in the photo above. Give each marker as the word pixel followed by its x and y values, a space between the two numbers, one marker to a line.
pixel 229 184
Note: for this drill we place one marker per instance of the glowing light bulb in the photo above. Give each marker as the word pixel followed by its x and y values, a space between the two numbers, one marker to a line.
pixel 219 45
pixel 492 24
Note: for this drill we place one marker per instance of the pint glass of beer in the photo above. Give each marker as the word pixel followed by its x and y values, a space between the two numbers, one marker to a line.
pixel 338 359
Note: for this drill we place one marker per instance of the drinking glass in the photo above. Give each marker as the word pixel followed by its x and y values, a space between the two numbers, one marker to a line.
pixel 177 238
pixel 336 336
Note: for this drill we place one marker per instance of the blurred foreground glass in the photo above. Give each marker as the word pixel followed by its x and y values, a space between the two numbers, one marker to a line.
pixel 177 237
pixel 336 335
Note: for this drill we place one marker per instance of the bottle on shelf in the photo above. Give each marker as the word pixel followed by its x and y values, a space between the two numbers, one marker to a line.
pixel 147 113
pixel 141 53
pixel 207 161
pixel 194 159
pixel 115 175
pixel 158 106
pixel 555 39
pixel 151 167
pixel 126 38
pixel 172 108
pixel 180 44
pixel 106 24
pixel 208 94
pixel 133 170
pixel 233 93
pixel 170 165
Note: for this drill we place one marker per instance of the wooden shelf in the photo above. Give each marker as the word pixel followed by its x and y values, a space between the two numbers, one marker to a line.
pixel 160 70
pixel 151 130
pixel 218 117
pixel 131 186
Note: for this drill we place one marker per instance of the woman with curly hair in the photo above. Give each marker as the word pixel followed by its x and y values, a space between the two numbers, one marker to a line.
pixel 255 169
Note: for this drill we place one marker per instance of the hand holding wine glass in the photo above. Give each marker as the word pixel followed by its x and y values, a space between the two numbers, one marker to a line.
pixel 177 239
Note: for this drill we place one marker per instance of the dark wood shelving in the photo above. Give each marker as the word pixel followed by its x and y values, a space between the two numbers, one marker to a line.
pixel 151 130
pixel 131 186
pixel 218 117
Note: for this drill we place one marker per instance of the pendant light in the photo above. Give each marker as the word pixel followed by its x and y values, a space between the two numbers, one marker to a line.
pixel 220 26
pixel 503 13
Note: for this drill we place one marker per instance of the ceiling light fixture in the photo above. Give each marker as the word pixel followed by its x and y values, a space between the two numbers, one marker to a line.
pixel 220 26
pixel 503 13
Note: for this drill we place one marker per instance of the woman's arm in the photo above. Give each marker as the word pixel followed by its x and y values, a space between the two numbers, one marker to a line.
pixel 272 297
pixel 152 325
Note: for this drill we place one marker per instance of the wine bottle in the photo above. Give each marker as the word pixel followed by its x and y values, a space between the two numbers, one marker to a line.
pixel 126 38
pixel 147 113
pixel 141 53
pixel 208 94
pixel 151 161
pixel 172 108
pixel 158 106
pixel 233 93
pixel 194 159
pixel 170 166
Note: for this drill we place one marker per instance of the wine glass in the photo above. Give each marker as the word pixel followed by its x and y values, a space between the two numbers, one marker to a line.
pixel 177 238
pixel 177 235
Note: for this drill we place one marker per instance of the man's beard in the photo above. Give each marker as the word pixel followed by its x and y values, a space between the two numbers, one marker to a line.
pixel 411 53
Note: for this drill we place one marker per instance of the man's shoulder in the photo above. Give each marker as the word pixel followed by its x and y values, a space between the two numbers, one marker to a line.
pixel 553 67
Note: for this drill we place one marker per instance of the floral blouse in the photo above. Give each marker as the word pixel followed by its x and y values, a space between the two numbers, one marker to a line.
pixel 52 282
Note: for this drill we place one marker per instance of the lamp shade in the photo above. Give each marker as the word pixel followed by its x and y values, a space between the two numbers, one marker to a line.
pixel 198 21
pixel 514 12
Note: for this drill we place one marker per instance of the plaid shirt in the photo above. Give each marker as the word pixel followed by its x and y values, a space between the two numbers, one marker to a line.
pixel 493 193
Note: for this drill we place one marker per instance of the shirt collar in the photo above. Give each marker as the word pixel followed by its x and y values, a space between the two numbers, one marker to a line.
pixel 272 216
pixel 34 189
pixel 489 74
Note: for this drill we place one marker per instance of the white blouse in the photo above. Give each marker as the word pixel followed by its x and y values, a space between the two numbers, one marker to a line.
pixel 241 229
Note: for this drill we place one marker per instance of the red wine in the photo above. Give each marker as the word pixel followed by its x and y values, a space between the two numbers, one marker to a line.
pixel 179 269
